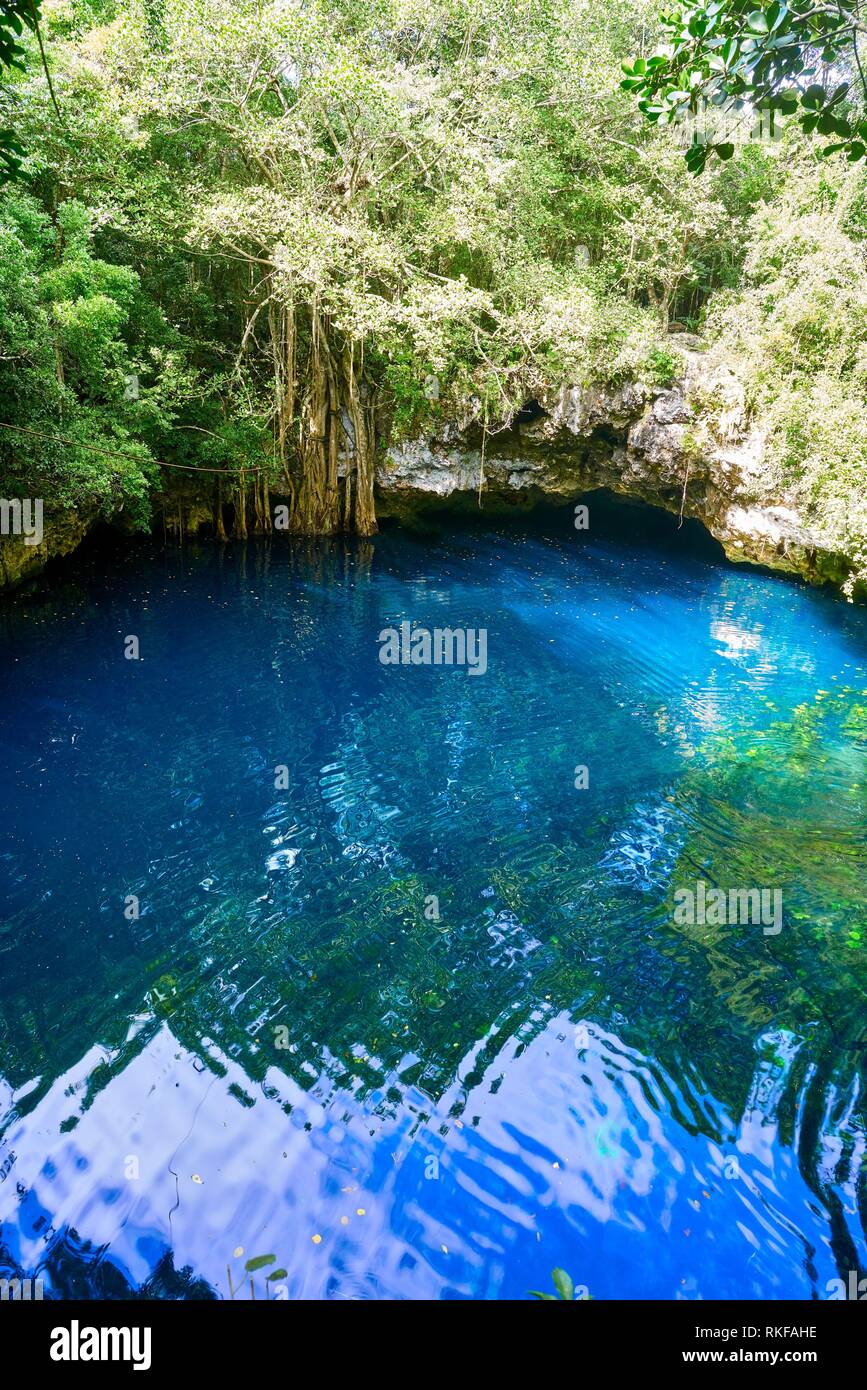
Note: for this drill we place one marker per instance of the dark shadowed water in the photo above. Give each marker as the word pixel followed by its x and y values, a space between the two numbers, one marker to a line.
pixel 417 1017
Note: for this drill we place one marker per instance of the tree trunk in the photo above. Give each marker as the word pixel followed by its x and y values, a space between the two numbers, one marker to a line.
pixel 361 416
pixel 241 508
pixel 331 415
pixel 219 524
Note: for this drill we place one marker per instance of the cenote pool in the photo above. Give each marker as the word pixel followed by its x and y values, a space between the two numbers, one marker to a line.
pixel 416 1019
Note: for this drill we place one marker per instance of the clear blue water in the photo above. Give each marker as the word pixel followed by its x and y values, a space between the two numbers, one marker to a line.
pixel 287 1054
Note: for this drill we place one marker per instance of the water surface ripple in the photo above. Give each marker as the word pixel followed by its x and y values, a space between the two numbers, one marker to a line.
pixel 292 1051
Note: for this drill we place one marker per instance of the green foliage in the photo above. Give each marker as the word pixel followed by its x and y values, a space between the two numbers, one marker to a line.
pixel 66 365
pixel 455 197
pixel 16 17
pixel 797 332
pixel 663 366
pixel 420 180
pixel 771 60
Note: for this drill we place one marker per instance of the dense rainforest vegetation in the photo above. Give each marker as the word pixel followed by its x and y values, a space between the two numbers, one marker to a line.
pixel 263 240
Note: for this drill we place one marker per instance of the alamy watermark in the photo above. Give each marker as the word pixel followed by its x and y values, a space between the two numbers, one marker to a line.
pixel 715 907
pixel 439 646
pixel 20 1290
pixel 732 122
pixel 77 1343
pixel 22 516
pixel 853 1290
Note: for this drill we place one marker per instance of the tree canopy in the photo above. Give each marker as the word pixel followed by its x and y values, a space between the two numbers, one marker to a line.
pixel 799 60
pixel 250 244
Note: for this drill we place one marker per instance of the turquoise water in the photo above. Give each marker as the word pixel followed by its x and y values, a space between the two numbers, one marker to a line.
pixel 416 1018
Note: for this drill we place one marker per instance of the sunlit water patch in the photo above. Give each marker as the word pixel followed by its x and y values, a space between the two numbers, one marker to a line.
pixel 331 967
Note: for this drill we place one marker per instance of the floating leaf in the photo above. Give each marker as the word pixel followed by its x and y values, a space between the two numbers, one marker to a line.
pixel 259 1262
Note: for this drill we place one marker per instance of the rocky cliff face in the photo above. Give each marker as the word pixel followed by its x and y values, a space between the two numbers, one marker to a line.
pixel 686 448
pixel 20 561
